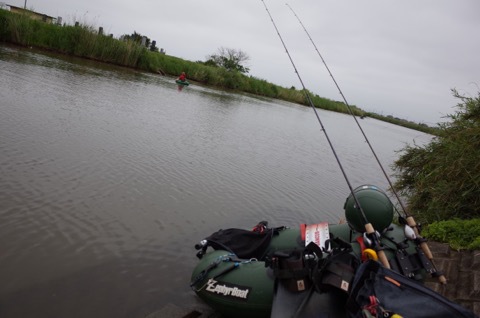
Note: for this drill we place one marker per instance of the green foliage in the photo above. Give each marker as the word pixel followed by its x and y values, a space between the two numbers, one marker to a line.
pixel 459 234
pixel 441 180
pixel 405 123
pixel 82 40
pixel 230 59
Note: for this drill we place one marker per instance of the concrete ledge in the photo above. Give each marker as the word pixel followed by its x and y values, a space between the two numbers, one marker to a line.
pixel 439 249
pixel 476 260
pixel 465 281
pixel 466 260
pixel 476 308
pixel 476 285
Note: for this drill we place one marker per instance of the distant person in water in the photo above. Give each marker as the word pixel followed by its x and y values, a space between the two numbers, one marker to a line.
pixel 182 77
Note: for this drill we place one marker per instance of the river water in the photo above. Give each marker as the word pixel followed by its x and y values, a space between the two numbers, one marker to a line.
pixel 109 176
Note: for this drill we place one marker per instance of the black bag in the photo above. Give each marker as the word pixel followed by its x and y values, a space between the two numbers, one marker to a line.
pixel 291 269
pixel 380 292
pixel 242 243
pixel 337 270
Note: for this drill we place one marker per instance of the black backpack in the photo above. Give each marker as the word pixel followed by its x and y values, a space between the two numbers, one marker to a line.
pixel 243 243
pixel 377 291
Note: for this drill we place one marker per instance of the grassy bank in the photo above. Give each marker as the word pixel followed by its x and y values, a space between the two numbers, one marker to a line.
pixel 459 234
pixel 84 41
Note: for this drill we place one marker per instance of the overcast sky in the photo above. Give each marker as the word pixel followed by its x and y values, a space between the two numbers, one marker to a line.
pixel 398 58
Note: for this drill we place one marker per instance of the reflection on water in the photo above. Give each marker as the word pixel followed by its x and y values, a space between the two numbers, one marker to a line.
pixel 110 176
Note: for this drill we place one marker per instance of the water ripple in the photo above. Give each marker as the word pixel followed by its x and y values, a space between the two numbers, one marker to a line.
pixel 109 177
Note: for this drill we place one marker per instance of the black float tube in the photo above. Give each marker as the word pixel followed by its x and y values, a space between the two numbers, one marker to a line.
pixel 408 219
pixel 368 226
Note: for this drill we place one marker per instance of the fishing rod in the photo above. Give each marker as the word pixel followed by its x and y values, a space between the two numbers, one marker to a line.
pixel 408 219
pixel 351 113
pixel 369 229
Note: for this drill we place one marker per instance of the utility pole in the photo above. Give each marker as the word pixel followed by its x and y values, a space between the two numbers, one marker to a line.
pixel 25 6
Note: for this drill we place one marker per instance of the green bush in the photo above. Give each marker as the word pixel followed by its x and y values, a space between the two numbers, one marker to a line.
pixel 441 180
pixel 459 234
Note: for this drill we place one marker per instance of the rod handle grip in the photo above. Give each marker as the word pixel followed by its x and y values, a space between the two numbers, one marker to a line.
pixel 411 222
pixel 426 250
pixel 383 258
pixel 442 279
pixel 369 228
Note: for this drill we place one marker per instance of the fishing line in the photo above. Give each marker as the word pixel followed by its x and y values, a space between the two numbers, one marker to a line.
pixel 307 95
pixel 408 220
pixel 354 117
pixel 368 226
